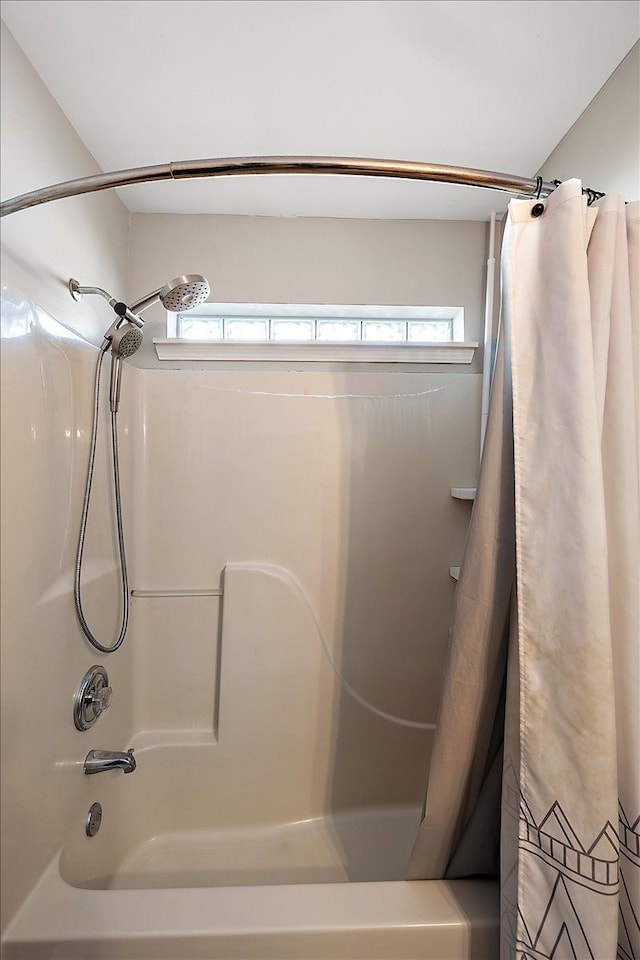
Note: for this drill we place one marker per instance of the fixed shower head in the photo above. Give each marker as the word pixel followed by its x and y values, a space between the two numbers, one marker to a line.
pixel 181 293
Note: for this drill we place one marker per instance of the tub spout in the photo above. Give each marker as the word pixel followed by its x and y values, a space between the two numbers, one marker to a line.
pixel 98 760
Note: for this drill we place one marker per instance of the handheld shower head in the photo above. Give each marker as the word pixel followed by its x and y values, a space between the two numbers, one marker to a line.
pixel 124 342
pixel 181 293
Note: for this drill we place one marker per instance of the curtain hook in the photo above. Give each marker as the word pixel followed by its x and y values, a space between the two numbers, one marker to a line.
pixel 538 208
pixel 591 195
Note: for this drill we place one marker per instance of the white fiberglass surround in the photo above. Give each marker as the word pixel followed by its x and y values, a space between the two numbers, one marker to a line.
pixel 290 535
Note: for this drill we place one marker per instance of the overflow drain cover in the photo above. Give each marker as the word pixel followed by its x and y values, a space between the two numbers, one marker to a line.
pixel 94 819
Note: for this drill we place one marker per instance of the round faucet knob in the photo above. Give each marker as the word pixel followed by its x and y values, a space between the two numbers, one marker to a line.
pixel 100 700
pixel 92 698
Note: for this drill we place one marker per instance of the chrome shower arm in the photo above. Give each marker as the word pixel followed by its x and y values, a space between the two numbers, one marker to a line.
pixel 77 292
pixel 122 310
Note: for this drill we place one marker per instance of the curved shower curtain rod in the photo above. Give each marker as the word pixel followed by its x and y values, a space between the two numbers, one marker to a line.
pixel 244 166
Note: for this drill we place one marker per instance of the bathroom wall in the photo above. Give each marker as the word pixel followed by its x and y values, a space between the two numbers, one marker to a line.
pixel 306 260
pixel 312 493
pixel 602 148
pixel 47 374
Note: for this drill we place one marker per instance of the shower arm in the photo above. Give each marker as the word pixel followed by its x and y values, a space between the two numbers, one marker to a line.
pixel 122 310
pixel 243 166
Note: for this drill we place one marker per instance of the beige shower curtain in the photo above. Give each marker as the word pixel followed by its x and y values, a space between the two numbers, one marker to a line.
pixel 563 446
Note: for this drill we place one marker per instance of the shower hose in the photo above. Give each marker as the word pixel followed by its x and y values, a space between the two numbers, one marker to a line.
pixel 85 513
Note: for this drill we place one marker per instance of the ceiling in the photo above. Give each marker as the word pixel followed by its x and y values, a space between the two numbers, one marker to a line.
pixel 493 84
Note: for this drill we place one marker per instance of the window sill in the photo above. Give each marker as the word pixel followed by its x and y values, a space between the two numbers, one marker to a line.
pixel 214 350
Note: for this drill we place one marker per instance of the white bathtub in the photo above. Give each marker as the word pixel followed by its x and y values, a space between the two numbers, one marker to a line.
pixel 281 860
pixel 311 890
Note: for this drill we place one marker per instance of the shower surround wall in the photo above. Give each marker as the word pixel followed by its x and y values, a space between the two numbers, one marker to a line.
pixel 46 382
pixel 295 491
pixel 337 477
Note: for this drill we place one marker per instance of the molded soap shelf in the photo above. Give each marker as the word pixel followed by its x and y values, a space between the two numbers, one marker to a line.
pixel 463 493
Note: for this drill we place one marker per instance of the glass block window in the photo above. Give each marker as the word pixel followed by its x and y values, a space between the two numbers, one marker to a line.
pixel 384 331
pixel 293 330
pixel 245 328
pixel 318 323
pixel 338 331
pixel 205 328
pixel 430 331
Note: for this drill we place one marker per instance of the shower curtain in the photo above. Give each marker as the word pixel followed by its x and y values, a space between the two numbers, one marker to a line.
pixel 543 679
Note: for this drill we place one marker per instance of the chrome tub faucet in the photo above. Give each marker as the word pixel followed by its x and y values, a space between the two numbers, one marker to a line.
pixel 97 761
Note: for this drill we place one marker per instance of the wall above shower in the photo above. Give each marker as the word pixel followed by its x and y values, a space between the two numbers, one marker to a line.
pixel 475 84
pixel 310 260
pixel 85 236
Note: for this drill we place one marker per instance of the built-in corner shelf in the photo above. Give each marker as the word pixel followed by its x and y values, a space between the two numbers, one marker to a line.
pixel 463 493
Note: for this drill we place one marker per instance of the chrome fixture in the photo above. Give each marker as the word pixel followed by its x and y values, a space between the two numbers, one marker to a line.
pixel 122 338
pixel 92 698
pixel 98 761
pixel 260 166
pixel 124 342
pixel 78 292
pixel 94 819
pixel 182 293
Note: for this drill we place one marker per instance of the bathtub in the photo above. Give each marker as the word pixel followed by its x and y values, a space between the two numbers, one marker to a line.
pixel 286 856
pixel 326 888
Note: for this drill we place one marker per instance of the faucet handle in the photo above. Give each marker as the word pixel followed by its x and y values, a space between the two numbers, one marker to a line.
pixel 100 700
pixel 92 697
